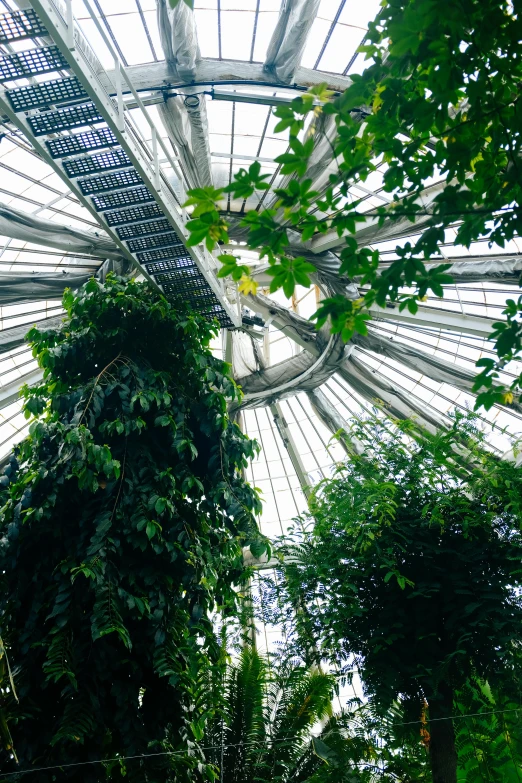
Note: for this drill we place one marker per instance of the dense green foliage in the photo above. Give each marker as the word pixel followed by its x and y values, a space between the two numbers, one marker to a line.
pixel 269 709
pixel 263 735
pixel 489 743
pixel 123 517
pixel 393 746
pixel 411 570
pixel 440 101
pixel 270 706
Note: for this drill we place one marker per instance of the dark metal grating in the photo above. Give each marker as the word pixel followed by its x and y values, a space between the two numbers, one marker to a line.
pixel 107 182
pixel 37 96
pixel 123 198
pixel 156 240
pixel 31 62
pixel 175 275
pixel 17 25
pixel 205 303
pixel 64 119
pixel 196 292
pixel 144 229
pixel 220 314
pixel 102 161
pixel 82 142
pixel 199 300
pixel 108 176
pixel 171 265
pixel 187 284
pixel 164 254
pixel 189 280
pixel 134 214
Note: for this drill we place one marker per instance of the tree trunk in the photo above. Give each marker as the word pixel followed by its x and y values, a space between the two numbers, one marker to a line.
pixel 443 754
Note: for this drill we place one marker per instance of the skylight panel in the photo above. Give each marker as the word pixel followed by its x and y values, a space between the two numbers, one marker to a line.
pixel 360 14
pixel 250 119
pixel 131 37
pixel 237 28
pixel 13 427
pixel 266 22
pixel 272 147
pixel 246 145
pixel 315 41
pixel 344 38
pixel 151 20
pixel 207 22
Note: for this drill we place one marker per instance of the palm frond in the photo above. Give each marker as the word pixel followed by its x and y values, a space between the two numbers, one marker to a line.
pixel 244 732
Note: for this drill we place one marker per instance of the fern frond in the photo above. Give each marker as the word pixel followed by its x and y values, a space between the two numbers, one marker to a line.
pixel 59 658
pixel 106 617
pixel 78 721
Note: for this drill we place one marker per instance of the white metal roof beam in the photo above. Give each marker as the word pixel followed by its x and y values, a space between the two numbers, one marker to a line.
pixel 431 365
pixel 420 361
pixel 11 391
pixel 375 387
pixel 437 318
pixel 28 228
pixel 14 337
pixel 294 326
pixel 156 76
pixel 291 447
pixel 332 419
pixel 371 232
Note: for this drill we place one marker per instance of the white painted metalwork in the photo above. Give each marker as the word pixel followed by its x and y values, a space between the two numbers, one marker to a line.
pixel 116 121
pixel 419 365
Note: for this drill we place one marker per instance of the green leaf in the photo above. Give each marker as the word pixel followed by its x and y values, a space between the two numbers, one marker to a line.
pixel 258 548
pixel 151 529
pixel 160 505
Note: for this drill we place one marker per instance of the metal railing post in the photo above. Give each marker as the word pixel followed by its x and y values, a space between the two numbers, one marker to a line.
pixel 70 25
pixel 119 95
pixel 157 178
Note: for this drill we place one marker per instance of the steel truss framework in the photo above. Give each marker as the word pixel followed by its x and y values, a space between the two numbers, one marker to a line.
pixel 112 151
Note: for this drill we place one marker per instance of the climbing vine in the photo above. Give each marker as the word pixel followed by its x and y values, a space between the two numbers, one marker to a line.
pixel 124 513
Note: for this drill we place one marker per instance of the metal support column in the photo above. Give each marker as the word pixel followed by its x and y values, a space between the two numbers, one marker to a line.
pixel 286 436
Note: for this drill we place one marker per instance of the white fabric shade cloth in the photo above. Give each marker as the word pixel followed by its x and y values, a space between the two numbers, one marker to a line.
pixel 209 77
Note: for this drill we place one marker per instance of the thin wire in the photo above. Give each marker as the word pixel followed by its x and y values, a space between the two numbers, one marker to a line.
pixel 132 758
pixel 455 717
pixel 218 747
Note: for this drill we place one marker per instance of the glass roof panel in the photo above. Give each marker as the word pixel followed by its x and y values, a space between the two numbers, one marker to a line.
pixel 240 30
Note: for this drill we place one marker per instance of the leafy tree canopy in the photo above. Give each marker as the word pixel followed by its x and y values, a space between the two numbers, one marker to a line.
pixel 123 517
pixel 410 568
pixel 441 101
pixel 271 706
pixel 269 709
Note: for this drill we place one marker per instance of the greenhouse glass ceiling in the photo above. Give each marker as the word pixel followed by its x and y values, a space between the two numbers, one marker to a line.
pixel 102 132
